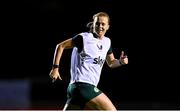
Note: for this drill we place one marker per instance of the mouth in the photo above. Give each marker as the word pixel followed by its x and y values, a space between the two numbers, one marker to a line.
pixel 100 30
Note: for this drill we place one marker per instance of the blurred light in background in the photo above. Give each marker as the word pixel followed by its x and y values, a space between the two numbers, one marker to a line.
pixel 14 94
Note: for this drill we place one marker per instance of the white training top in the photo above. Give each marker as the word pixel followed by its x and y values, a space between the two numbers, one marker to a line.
pixel 86 65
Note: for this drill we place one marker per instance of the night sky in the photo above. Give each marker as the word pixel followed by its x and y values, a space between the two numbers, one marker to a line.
pixel 147 32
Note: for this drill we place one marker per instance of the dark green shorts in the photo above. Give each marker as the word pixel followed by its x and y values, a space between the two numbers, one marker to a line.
pixel 80 93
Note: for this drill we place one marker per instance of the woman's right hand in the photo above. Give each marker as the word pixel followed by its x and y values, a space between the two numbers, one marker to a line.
pixel 54 75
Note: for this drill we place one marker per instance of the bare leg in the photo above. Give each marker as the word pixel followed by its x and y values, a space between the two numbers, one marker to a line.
pixel 69 106
pixel 101 102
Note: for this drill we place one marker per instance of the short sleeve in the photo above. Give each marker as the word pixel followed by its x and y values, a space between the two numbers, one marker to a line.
pixel 110 50
pixel 78 42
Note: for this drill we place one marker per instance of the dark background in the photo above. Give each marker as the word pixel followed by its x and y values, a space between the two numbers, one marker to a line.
pixel 146 31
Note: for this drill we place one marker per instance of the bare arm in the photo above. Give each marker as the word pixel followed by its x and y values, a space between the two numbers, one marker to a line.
pixel 60 48
pixel 113 62
pixel 54 74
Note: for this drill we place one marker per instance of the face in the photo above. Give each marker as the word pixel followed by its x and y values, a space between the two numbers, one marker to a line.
pixel 100 25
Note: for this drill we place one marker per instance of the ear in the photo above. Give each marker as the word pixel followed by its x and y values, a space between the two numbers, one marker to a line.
pixel 108 27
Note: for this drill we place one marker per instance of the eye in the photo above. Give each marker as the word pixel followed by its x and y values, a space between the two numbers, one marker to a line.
pixel 103 24
pixel 97 23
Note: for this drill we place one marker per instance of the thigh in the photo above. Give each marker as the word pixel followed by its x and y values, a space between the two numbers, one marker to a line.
pixel 79 94
pixel 72 107
pixel 101 102
pixel 74 97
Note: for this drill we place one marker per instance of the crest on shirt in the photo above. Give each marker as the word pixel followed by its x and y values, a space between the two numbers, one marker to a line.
pixel 99 47
pixel 96 89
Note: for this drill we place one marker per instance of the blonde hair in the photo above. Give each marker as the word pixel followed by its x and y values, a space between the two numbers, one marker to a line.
pixel 99 14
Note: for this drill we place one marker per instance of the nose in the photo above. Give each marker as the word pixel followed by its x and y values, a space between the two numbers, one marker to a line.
pixel 100 25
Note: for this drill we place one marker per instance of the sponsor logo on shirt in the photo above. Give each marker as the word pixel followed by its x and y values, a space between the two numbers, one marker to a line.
pixel 99 61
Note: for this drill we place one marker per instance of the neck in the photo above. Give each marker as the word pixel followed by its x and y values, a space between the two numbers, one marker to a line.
pixel 96 36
